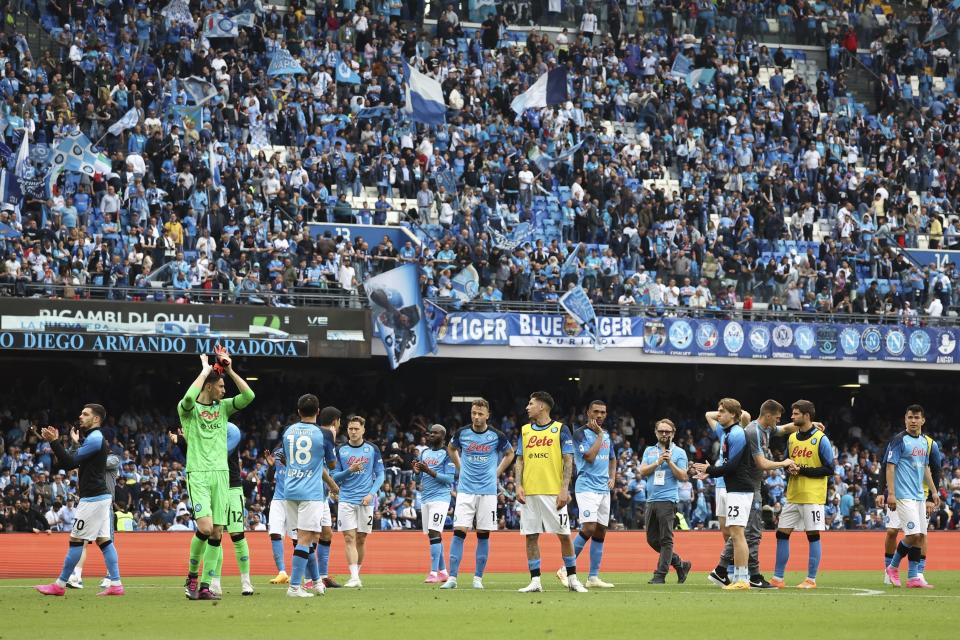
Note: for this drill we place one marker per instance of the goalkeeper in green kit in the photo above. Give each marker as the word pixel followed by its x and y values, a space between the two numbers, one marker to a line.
pixel 203 416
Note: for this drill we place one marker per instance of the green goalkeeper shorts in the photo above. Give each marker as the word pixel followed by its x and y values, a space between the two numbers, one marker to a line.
pixel 235 510
pixel 209 494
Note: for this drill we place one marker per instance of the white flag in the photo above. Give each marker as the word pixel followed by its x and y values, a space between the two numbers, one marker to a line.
pixel 128 121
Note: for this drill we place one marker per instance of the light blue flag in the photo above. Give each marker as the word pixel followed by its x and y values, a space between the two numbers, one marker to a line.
pixel 399 316
pixel 199 89
pixel 284 64
pixel 345 74
pixel 570 264
pixel 681 66
pixel 578 305
pixel 179 10
pixel 545 161
pixel 192 115
pixel 466 284
pixel 128 121
pixel 937 31
pixel 218 25
pixel 700 76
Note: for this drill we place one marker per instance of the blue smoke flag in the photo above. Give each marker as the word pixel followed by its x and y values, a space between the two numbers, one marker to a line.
pixel 466 284
pixel 937 31
pixel 199 89
pixel 345 74
pixel 578 305
pixel 399 316
pixel 550 88
pixel 218 25
pixel 424 98
pixel 128 121
pixel 283 64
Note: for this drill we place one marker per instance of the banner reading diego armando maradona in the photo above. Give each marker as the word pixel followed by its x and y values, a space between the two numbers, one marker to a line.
pixel 398 315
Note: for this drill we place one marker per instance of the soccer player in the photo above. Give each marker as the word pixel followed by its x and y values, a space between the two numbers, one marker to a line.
pixel 277 514
pixel 544 466
pixel 436 470
pixel 719 484
pixel 734 465
pixel 596 462
pixel 908 472
pixel 94 512
pixel 235 511
pixel 305 451
pixel 812 454
pixel 894 553
pixel 360 477
pixel 758 435
pixel 203 415
pixel 329 424
pixel 482 454
pixel 113 471
pixel 668 467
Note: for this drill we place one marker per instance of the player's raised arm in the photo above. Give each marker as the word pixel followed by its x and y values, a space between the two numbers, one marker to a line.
pixel 246 393
pixel 190 397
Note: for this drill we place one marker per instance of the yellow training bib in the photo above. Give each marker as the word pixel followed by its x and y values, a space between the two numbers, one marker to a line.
pixel 542 459
pixel 806 453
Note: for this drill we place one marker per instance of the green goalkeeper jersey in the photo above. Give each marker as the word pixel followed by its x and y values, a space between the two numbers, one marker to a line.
pixel 205 428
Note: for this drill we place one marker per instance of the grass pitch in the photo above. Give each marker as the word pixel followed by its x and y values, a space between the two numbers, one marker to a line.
pixel 846 605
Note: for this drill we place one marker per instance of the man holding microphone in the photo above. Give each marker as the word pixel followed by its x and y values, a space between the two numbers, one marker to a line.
pixel 665 467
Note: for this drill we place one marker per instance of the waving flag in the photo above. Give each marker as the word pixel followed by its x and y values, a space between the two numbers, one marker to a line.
pixel 179 10
pixel 937 31
pixel 128 121
pixel 466 284
pixel 283 64
pixel 578 305
pixel 22 166
pixel 424 98
pixel 189 115
pixel 199 89
pixel 399 316
pixel 523 232
pixel 345 74
pixel 246 14
pixel 681 66
pixel 259 137
pixel 550 88
pixel 5 153
pixel 570 264
pixel 218 25
pixel 545 161
pixel 700 76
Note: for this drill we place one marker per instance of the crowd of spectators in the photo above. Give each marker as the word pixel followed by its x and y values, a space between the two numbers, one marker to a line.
pixel 766 190
pixel 151 492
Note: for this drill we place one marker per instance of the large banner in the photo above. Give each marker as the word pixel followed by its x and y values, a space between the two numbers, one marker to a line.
pixel 399 316
pixel 162 328
pixel 705 338
pixel 536 330
pixel 800 341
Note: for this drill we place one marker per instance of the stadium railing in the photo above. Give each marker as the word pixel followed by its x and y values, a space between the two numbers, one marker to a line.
pixel 336 297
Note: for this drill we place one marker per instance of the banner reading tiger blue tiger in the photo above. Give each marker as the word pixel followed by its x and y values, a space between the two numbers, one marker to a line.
pixel 398 315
